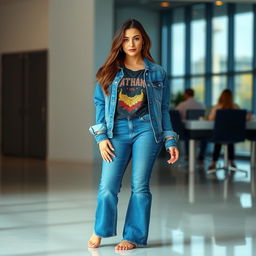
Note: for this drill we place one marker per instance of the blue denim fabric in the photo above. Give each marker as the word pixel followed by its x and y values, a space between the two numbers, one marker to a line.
pixel 158 93
pixel 132 138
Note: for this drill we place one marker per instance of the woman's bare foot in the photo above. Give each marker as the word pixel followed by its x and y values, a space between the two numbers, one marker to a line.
pixel 125 245
pixel 94 241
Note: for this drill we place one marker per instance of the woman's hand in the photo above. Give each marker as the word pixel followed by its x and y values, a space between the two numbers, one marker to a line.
pixel 174 153
pixel 106 149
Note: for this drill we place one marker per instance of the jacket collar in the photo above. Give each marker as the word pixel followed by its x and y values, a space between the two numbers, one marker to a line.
pixel 148 65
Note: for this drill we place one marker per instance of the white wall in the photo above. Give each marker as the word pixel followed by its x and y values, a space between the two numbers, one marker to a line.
pixel 23 25
pixel 104 30
pixel 149 19
pixel 78 35
pixel 79 39
pixel 71 70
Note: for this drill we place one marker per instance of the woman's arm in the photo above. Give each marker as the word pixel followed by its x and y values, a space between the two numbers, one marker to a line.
pixel 99 129
pixel 168 132
pixel 213 113
pixel 171 137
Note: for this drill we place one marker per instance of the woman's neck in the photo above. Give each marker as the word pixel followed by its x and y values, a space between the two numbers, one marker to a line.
pixel 134 62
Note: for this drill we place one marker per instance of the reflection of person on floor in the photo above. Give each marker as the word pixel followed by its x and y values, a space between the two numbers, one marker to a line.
pixel 188 103
pixel 132 121
pixel 225 101
pixel 102 252
pixel 94 251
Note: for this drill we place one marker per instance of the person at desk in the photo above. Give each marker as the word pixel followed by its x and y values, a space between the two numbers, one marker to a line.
pixel 225 101
pixel 190 102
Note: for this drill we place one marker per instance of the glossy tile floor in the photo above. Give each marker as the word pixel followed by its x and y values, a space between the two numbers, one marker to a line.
pixel 48 209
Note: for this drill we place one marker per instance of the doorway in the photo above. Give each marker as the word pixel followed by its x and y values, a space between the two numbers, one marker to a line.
pixel 24 104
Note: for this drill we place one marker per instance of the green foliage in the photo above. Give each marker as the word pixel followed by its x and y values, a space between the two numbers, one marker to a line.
pixel 176 99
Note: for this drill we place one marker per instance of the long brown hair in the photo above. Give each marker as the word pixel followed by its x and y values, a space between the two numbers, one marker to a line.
pixel 226 99
pixel 107 72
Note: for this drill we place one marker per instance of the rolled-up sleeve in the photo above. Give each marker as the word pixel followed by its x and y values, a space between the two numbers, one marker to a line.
pixel 166 121
pixel 96 128
pixel 100 126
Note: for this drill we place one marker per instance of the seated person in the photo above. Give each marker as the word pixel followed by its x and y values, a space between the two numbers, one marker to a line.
pixel 190 102
pixel 225 101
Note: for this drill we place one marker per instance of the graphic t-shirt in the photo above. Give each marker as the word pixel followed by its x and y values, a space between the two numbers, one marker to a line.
pixel 132 97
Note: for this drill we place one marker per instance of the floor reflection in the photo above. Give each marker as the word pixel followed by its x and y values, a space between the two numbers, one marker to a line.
pixel 217 217
pixel 48 209
pixel 22 175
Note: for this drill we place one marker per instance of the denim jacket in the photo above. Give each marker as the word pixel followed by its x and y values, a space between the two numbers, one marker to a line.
pixel 158 95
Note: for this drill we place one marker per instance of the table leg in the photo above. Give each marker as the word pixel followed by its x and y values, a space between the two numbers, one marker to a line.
pixel 192 156
pixel 253 154
pixel 191 188
pixel 253 167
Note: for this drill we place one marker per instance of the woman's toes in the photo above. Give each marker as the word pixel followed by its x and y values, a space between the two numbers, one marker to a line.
pixel 94 241
pixel 125 245
pixel 90 243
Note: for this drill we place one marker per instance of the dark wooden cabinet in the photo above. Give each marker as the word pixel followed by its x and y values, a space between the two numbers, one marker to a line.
pixel 24 108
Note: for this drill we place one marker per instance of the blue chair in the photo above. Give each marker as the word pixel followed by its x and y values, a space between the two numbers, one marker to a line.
pixel 177 124
pixel 194 114
pixel 179 127
pixel 229 128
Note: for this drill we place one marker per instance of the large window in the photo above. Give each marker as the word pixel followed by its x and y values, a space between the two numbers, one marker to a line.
pixel 198 39
pixel 211 50
pixel 219 83
pixel 243 37
pixel 198 84
pixel 178 43
pixel 243 89
pixel 219 51
pixel 177 85
pixel 219 39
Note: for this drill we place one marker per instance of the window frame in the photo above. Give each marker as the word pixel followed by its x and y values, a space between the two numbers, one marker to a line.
pixel 166 20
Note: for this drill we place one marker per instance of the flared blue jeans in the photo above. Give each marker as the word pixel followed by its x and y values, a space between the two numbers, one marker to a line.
pixel 132 139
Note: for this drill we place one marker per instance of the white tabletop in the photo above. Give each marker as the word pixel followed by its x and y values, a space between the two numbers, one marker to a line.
pixel 208 125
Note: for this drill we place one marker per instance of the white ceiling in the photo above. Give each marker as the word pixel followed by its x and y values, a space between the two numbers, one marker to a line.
pixel 156 3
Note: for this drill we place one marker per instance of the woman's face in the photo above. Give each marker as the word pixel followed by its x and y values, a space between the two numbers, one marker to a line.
pixel 132 43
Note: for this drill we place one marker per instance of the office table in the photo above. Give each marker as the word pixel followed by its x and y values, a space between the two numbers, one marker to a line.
pixel 202 129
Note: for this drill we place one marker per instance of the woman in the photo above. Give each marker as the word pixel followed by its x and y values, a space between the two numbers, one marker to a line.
pixel 132 121
pixel 225 102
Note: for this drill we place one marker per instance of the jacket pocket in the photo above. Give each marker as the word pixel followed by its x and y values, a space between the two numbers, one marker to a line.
pixel 158 90
pixel 158 85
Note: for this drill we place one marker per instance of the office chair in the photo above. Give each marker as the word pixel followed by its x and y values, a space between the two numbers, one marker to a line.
pixel 178 127
pixel 194 114
pixel 177 124
pixel 229 128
